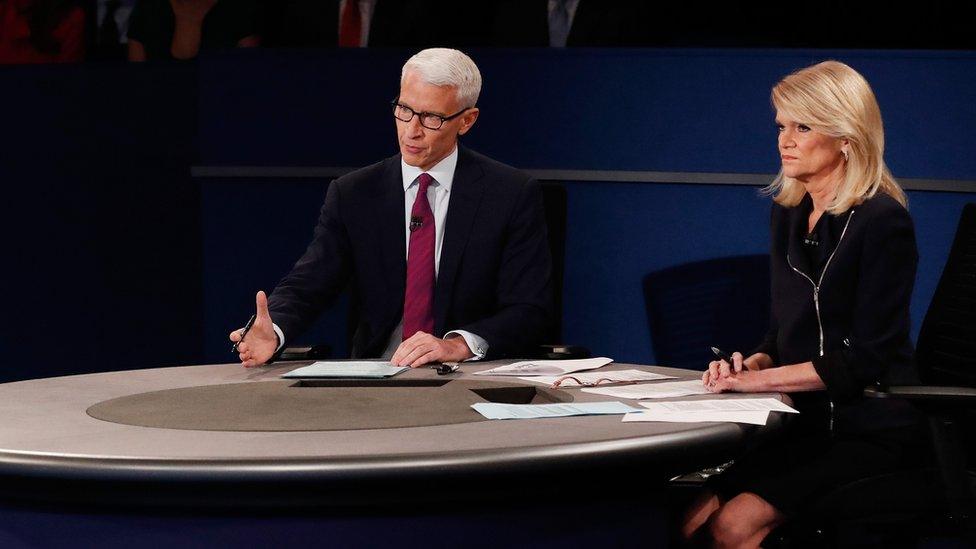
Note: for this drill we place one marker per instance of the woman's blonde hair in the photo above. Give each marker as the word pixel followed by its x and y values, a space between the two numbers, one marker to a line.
pixel 835 100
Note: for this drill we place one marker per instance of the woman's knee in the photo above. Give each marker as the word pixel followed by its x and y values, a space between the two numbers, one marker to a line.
pixel 743 521
pixel 698 514
pixel 727 530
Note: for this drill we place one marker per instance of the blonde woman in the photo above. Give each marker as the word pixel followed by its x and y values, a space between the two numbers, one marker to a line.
pixel 843 261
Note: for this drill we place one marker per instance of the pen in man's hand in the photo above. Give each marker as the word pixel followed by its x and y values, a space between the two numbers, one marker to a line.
pixel 244 331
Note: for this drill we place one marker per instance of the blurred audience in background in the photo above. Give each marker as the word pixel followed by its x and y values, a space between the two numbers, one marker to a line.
pixel 179 29
pixel 38 31
pixel 41 31
pixel 421 23
pixel 109 24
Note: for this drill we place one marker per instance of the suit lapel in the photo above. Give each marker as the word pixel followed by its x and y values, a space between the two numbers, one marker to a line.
pixel 393 236
pixel 466 194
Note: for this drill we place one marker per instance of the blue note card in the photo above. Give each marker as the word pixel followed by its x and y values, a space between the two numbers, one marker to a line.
pixel 494 410
pixel 361 369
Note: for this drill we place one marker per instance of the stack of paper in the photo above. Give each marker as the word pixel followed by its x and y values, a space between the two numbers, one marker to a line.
pixel 591 378
pixel 653 390
pixel 546 367
pixel 736 410
pixel 360 369
pixel 496 410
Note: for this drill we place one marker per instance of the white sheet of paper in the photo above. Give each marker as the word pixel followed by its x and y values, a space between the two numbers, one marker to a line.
pixel 652 390
pixel 546 367
pixel 755 417
pixel 359 369
pixel 496 410
pixel 720 405
pixel 592 377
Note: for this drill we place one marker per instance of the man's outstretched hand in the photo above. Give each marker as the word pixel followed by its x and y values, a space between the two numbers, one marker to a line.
pixel 261 341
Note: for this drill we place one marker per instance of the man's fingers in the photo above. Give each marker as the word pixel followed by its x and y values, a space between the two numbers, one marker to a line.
pixel 418 337
pixel 235 336
pixel 423 347
pixel 427 358
pixel 401 352
pixel 261 305
pixel 413 355
pixel 243 347
pixel 408 346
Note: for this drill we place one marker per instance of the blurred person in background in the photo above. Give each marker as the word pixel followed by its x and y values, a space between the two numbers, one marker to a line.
pixel 108 23
pixel 179 29
pixel 41 31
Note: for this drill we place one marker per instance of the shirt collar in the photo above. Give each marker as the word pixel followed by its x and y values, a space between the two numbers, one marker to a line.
pixel 442 172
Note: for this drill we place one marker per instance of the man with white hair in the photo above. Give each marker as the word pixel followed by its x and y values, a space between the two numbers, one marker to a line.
pixel 444 249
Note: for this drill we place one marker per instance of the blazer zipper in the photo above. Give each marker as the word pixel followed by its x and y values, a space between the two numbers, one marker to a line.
pixel 816 298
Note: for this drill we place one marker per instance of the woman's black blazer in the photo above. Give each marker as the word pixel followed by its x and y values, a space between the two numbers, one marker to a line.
pixel 851 319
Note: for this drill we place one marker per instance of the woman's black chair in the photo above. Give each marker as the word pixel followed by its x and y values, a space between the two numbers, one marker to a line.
pixel 691 307
pixel 721 302
pixel 937 500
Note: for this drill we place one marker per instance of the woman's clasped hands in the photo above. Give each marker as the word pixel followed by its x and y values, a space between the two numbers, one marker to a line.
pixel 722 376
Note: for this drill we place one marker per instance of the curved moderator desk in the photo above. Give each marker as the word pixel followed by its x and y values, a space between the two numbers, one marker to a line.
pixel 234 444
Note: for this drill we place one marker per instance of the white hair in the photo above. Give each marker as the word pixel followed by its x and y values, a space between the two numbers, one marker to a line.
pixel 447 67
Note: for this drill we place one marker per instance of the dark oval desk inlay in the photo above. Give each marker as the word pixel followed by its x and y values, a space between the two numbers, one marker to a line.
pixel 319 405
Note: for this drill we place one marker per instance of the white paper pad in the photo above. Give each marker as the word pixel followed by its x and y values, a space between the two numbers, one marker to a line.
pixel 755 417
pixel 495 410
pixel 361 369
pixel 720 405
pixel 653 390
pixel 617 376
pixel 546 367
pixel 737 410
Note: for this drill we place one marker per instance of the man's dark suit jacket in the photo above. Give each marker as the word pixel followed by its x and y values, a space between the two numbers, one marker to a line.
pixel 494 276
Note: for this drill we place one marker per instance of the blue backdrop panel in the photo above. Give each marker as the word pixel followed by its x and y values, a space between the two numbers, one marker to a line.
pixel 118 259
pixel 634 229
pixel 618 232
pixel 100 219
pixel 253 232
pixel 658 110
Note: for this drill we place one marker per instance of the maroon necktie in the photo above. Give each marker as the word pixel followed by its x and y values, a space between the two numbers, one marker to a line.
pixel 351 25
pixel 418 301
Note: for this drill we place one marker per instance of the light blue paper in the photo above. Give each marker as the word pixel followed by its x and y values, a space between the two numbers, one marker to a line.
pixel 495 410
pixel 362 369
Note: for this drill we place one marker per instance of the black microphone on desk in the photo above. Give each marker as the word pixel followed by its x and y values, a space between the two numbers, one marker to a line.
pixel 416 222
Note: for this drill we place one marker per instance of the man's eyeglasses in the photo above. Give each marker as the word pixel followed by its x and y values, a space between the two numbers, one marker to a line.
pixel 428 120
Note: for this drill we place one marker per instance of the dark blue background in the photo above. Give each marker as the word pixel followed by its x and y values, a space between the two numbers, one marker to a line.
pixel 117 258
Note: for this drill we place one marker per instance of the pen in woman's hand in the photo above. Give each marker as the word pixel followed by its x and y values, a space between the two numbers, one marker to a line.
pixel 722 355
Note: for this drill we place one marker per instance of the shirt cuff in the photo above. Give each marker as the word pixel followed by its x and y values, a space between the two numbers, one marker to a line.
pixel 476 343
pixel 281 337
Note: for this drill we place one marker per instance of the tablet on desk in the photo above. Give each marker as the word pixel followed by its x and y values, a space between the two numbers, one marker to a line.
pixel 375 369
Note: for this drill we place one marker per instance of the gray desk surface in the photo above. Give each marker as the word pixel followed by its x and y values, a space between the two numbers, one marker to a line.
pixel 46 434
